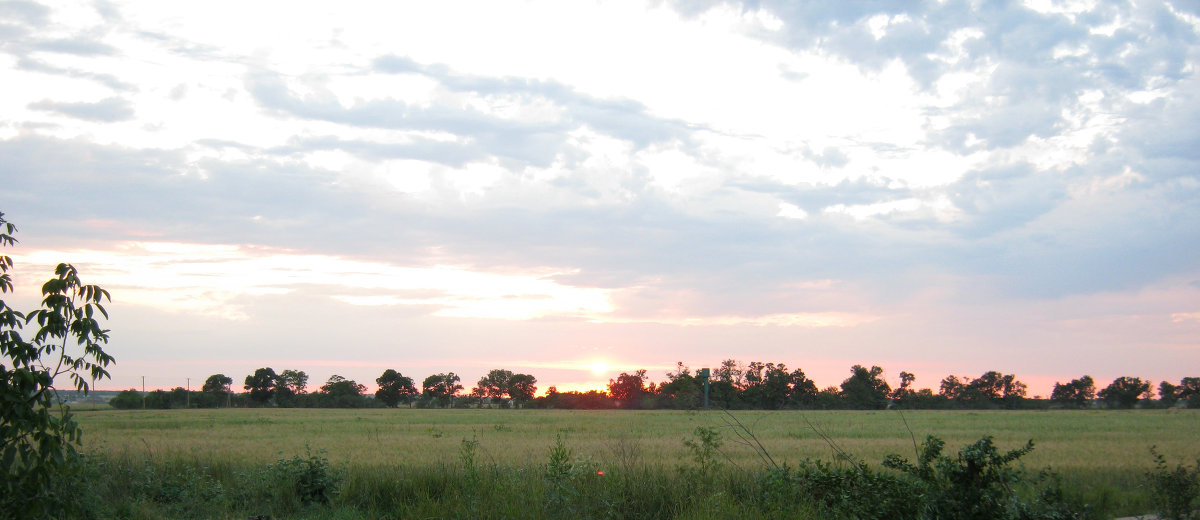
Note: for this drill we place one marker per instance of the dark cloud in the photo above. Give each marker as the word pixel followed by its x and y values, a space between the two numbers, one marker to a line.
pixel 107 110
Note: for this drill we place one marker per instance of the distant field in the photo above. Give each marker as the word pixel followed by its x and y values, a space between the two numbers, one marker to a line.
pixel 1076 443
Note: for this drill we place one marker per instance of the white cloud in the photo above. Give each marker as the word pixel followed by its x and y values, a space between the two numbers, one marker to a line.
pixel 791 211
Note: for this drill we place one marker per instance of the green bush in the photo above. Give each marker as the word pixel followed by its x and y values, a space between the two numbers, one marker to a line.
pixel 978 484
pixel 310 477
pixel 848 491
pixel 1172 491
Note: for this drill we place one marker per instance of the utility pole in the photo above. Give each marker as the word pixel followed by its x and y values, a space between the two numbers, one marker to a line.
pixel 143 392
pixel 188 399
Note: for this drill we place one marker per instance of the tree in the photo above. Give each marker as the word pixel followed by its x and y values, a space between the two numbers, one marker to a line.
pixel 440 389
pixel 494 385
pixel 865 389
pixel 681 390
pixel 906 381
pixel 1189 390
pixel 627 389
pixel 521 388
pixel 730 371
pixel 294 382
pixel 951 387
pixel 217 384
pixel 767 385
pixel 394 388
pixel 216 391
pixel 804 390
pixel 1168 394
pixel 340 392
pixel 992 389
pixel 262 385
pixel 38 434
pixel 1076 393
pixel 126 400
pixel 1124 392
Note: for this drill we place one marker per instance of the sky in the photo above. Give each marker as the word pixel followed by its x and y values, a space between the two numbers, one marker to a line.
pixel 575 189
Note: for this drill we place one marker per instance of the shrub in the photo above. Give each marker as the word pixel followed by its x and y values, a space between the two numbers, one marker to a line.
pixel 977 484
pixel 310 476
pixel 850 491
pixel 1172 491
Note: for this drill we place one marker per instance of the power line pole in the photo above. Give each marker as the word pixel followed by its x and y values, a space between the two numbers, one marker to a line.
pixel 188 399
pixel 143 392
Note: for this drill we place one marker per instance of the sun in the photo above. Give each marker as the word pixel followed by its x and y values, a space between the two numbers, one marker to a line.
pixel 599 368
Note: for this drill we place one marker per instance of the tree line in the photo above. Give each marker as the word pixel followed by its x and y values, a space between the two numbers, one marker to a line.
pixel 289 389
pixel 732 385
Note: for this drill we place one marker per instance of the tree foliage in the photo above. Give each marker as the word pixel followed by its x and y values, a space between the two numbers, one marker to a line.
pixel 38 435
pixel 494 385
pixel 293 382
pixel 340 392
pixel 262 385
pixel 1124 392
pixel 439 389
pixel 1076 393
pixel 627 389
pixel 865 389
pixel 394 388
pixel 217 384
pixel 522 387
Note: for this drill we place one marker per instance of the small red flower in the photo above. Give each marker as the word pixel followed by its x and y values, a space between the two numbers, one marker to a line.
pixel 601 473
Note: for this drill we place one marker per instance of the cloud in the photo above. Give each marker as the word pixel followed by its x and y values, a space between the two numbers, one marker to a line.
pixel 108 110
pixel 535 140
pixel 76 46
pixel 29 13
pixel 108 80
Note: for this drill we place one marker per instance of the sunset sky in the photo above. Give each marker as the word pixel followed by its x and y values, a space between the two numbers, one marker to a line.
pixel 574 189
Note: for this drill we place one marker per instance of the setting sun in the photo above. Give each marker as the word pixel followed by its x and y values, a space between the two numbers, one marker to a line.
pixel 599 368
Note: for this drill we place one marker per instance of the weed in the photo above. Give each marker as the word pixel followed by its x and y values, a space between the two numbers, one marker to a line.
pixel 705 448
pixel 467 452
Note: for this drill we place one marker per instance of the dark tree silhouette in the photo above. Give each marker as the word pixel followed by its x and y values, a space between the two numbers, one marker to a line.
pixel 865 389
pixel 521 388
pixel 262 385
pixel 628 389
pixel 1076 393
pixel 1124 392
pixel 440 389
pixel 394 388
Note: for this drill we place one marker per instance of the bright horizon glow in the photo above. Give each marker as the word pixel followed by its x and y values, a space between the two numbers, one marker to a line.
pixel 598 368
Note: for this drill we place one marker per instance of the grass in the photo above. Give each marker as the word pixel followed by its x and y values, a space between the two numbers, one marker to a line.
pixel 1101 455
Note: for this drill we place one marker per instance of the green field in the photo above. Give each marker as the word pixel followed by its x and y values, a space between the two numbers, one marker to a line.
pixel 1100 455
